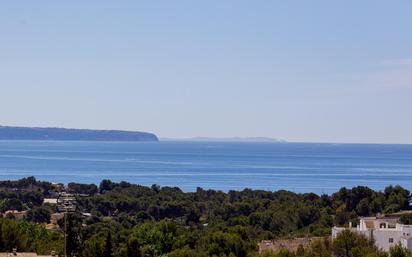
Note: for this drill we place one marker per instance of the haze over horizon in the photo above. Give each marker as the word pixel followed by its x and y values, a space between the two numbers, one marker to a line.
pixel 316 71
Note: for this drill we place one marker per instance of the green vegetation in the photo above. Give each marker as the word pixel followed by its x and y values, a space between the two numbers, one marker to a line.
pixel 26 236
pixel 132 221
pixel 346 244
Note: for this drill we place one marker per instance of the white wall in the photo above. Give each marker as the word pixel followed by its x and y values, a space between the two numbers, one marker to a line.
pixel 381 238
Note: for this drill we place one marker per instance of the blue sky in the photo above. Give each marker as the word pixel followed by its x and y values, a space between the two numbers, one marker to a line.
pixel 325 71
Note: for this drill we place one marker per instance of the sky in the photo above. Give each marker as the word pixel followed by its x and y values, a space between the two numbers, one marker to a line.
pixel 307 71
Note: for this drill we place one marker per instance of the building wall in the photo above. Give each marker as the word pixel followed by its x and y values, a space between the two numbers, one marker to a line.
pixel 385 239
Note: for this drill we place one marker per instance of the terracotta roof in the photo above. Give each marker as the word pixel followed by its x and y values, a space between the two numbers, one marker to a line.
pixel 370 224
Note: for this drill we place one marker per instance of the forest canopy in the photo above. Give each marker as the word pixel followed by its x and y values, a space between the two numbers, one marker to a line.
pixel 132 220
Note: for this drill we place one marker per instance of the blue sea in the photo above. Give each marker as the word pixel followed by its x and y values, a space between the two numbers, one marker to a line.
pixel 299 167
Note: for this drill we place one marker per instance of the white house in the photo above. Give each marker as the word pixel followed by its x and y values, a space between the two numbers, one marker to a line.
pixel 385 231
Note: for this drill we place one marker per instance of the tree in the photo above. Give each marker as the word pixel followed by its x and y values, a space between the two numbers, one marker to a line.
pixel 39 215
pixel 362 208
pixel 94 247
pixel 399 251
pixel 108 247
pixel 74 223
pixel 218 243
pixel 106 185
pixel 157 238
pixel 406 219
pixel 11 204
pixel 89 189
pixel 397 198
pixel 11 236
pixel 321 248
pixel 133 247
pixel 187 252
pixel 350 244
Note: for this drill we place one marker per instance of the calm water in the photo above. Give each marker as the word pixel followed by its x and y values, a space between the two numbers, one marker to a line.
pixel 319 168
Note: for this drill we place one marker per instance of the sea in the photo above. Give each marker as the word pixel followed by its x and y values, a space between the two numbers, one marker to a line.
pixel 299 167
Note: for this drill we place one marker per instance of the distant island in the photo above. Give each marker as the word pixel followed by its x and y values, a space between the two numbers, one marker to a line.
pixel 33 133
pixel 228 139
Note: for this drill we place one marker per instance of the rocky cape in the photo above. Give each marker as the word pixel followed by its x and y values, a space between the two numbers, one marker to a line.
pixel 29 133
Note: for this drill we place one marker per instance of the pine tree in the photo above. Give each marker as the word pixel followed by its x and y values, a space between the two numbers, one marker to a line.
pixel 108 247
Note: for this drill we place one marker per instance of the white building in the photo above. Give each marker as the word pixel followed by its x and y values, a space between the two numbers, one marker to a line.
pixel 385 231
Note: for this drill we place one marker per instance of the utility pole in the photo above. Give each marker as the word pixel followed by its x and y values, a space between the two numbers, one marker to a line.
pixel 66 203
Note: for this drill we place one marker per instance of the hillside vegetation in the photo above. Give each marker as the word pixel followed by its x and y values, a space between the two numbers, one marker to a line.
pixel 24 133
pixel 132 221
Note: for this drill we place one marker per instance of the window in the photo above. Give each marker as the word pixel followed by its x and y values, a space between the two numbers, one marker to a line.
pixel 390 240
